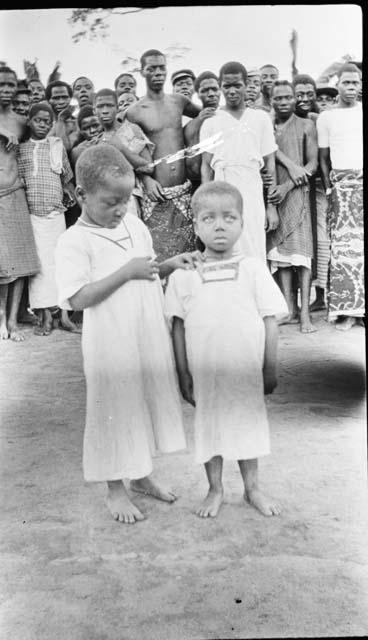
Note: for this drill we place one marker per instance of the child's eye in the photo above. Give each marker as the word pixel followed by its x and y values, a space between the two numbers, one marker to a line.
pixel 229 218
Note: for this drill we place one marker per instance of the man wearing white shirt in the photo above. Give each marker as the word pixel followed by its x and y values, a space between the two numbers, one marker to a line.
pixel 340 142
pixel 246 145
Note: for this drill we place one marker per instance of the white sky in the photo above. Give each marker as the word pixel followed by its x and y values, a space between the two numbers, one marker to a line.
pixel 253 35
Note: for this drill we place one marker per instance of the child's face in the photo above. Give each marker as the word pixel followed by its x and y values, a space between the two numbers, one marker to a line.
pixel 107 205
pixel 106 109
pixel 40 124
pixel 218 223
pixel 90 127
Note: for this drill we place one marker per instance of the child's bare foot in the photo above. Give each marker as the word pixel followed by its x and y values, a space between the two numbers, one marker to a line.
pixel 261 502
pixel 44 327
pixel 15 333
pixel 306 325
pixel 345 324
pixel 67 324
pixel 4 333
pixel 150 488
pixel 120 506
pixel 211 504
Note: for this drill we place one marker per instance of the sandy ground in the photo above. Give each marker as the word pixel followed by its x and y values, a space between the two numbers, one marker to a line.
pixel 69 572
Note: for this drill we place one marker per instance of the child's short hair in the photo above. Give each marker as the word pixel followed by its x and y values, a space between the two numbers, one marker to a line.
pixel 125 73
pixel 106 92
pixel 85 112
pixel 216 188
pixel 40 106
pixel 96 163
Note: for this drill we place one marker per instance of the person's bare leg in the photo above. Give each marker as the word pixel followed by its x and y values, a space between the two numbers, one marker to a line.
pixel 286 286
pixel 4 334
pixel 306 325
pixel 120 505
pixel 345 323
pixel 67 324
pixel 44 328
pixel 150 487
pixel 252 494
pixel 212 502
pixel 15 292
pixel 319 303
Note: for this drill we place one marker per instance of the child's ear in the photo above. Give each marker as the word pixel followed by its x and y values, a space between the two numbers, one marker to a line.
pixel 80 194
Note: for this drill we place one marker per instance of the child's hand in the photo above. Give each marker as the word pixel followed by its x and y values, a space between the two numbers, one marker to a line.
pixel 142 268
pixel 185 260
pixel 186 387
pixel 269 382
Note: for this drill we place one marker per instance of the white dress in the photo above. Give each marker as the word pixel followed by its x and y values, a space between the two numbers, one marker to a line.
pixel 223 312
pixel 133 405
pixel 238 160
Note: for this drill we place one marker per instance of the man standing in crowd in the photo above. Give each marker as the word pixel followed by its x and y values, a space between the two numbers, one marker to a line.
pixel 166 201
pixel 208 90
pixel 22 100
pixel 253 94
pixel 183 82
pixel 59 95
pixel 326 99
pixel 291 244
pixel 37 90
pixel 18 256
pixel 247 145
pixel 269 75
pixel 340 141
pixel 125 83
pixel 83 91
pixel 305 96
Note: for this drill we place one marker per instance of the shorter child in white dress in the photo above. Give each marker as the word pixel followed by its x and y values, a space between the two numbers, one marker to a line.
pixel 224 334
pixel 105 264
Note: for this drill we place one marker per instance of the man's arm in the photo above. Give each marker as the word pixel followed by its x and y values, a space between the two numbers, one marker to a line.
pixel 207 173
pixel 135 159
pixel 189 108
pixel 272 217
pixel 325 165
pixel 311 148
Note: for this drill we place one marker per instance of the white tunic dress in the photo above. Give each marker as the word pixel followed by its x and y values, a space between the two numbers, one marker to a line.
pixel 133 405
pixel 223 312
pixel 238 160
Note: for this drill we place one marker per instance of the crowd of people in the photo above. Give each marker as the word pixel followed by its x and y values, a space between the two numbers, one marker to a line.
pixel 259 196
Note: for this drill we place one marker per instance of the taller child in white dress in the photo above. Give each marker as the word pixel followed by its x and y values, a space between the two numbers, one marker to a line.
pixel 105 264
pixel 225 340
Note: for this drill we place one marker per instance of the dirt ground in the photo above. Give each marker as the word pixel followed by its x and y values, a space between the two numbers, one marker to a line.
pixel 69 572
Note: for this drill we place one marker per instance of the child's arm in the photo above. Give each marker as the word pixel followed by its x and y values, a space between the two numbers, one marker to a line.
pixel 181 261
pixel 181 360
pixel 270 354
pixel 95 292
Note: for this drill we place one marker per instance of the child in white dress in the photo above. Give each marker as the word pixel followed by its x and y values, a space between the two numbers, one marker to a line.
pixel 105 265
pixel 225 340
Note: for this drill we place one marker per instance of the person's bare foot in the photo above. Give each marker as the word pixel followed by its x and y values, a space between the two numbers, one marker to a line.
pixel 15 333
pixel 211 504
pixel 306 325
pixel 317 305
pixel 120 506
pixel 150 488
pixel 345 324
pixel 291 318
pixel 67 324
pixel 260 501
pixel 4 333
pixel 44 329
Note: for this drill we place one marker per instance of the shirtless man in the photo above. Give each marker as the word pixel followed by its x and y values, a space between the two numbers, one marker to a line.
pixel 18 257
pixel 166 201
pixel 208 90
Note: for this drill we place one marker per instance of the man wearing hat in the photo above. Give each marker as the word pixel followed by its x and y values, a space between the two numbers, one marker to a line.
pixel 326 97
pixel 183 82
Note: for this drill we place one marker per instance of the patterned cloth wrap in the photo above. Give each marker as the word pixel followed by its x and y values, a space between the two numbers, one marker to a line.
pixel 18 255
pixel 170 222
pixel 345 291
